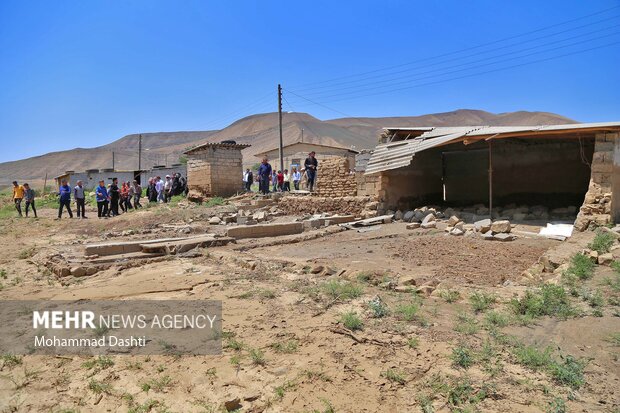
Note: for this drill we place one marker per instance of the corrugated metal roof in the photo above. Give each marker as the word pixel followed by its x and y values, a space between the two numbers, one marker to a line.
pixel 397 154
pixel 217 145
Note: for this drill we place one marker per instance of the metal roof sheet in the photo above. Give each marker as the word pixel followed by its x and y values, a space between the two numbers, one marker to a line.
pixel 217 145
pixel 397 154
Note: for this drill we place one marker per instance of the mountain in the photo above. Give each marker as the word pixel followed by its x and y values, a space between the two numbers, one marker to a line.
pixel 261 131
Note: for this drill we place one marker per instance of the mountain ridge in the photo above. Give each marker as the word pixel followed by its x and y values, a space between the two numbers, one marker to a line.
pixel 261 131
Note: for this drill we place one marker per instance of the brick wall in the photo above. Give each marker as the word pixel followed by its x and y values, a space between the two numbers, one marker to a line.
pixel 596 206
pixel 334 178
pixel 215 171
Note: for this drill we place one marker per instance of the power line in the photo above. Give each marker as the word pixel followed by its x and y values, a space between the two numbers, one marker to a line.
pixel 465 49
pixel 462 77
pixel 475 61
pixel 434 74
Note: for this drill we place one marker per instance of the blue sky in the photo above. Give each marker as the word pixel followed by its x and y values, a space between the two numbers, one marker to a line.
pixel 81 74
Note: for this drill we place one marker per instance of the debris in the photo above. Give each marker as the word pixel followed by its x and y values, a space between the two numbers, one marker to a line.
pixel 563 230
pixel 232 405
pixel 265 230
pixel 431 224
pixel 502 226
pixel 428 218
pixel 413 225
pixel 383 219
pixel 605 259
pixel 502 236
pixel 215 220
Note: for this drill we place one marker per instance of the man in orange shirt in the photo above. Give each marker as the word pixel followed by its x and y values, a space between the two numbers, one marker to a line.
pixel 18 195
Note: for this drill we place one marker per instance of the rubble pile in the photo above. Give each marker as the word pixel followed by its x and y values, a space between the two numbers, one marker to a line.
pixel 335 179
pixel 596 208
pixel 354 205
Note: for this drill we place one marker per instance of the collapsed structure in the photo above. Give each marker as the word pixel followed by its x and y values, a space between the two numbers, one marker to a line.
pixel 554 166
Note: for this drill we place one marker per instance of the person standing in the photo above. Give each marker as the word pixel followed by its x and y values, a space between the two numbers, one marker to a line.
pixel 296 178
pixel 18 195
pixel 115 195
pixel 65 198
pixel 264 173
pixel 287 181
pixel 247 182
pixel 274 181
pixel 101 194
pixel 137 194
pixel 168 189
pixel 311 165
pixel 29 198
pixel 250 180
pixel 80 200
pixel 159 187
pixel 280 178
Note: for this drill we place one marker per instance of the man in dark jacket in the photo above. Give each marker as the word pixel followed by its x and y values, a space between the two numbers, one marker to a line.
pixel 264 176
pixel 101 194
pixel 311 165
pixel 64 193
pixel 115 195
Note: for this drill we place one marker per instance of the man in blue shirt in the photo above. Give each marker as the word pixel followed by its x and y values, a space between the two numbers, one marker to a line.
pixel 64 193
pixel 264 175
pixel 101 194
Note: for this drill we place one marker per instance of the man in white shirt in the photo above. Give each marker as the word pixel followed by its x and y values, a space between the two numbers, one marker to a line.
pixel 168 188
pixel 159 187
pixel 296 178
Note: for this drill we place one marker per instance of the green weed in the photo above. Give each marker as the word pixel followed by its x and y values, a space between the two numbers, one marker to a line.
pixel 481 302
pixel 395 376
pixel 549 299
pixel 602 242
pixel 351 321
pixel 462 356
pixel 344 290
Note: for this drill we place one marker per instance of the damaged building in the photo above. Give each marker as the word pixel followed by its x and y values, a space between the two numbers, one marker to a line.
pixel 517 172
pixel 215 169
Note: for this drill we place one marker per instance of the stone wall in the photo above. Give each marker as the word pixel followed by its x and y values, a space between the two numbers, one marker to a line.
pixel 334 178
pixel 215 171
pixel 300 205
pixel 597 204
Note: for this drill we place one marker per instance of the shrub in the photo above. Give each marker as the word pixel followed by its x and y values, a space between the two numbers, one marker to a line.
pixel 481 301
pixel 602 242
pixel 549 299
pixel 408 312
pixel 462 357
pixel 532 357
pixel 351 321
pixel 580 267
pixel 395 376
pixel 496 319
pixel 450 296
pixel 568 372
pixel 342 290
pixel 378 308
pixel 466 324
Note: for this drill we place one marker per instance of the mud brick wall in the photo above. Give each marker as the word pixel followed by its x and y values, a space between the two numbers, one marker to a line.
pixel 368 185
pixel 215 171
pixel 296 205
pixel 334 178
pixel 597 204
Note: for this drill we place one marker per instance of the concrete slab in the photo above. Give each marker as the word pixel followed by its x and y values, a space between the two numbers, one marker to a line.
pixel 177 247
pixel 265 230
pixel 123 247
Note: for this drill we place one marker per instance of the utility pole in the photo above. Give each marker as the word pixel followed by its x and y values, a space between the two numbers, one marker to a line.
pixel 113 160
pixel 280 118
pixel 302 135
pixel 140 152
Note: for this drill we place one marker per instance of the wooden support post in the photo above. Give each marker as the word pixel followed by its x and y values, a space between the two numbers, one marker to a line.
pixel 490 181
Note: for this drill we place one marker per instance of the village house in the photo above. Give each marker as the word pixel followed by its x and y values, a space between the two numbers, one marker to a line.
pixel 91 177
pixel 215 169
pixel 295 154
pixel 517 172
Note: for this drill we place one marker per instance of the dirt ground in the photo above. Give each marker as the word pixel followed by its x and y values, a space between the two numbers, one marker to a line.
pixel 423 346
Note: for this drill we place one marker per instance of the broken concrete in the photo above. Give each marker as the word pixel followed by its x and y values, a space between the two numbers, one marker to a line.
pixel 265 230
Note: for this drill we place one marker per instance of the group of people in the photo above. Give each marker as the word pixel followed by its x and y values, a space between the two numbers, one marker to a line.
pixel 111 199
pixel 280 181
pixel 23 193
pixel 160 190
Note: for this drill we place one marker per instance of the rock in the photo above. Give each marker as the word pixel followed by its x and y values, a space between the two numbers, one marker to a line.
pixel 483 225
pixel 428 225
pixel 413 225
pixel 593 256
pixel 425 290
pixel 91 270
pixel 487 235
pixel 408 216
pixel 457 232
pixel 214 220
pixel 407 280
pixel 233 404
pixel 186 230
pixel 605 259
pixel 502 236
pixel 459 226
pixel 195 196
pixel 501 226
pixel 418 216
pixel 453 220
pixel 429 218
pixel 260 216
pixel 78 271
pixel 398 215
pixel 317 269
